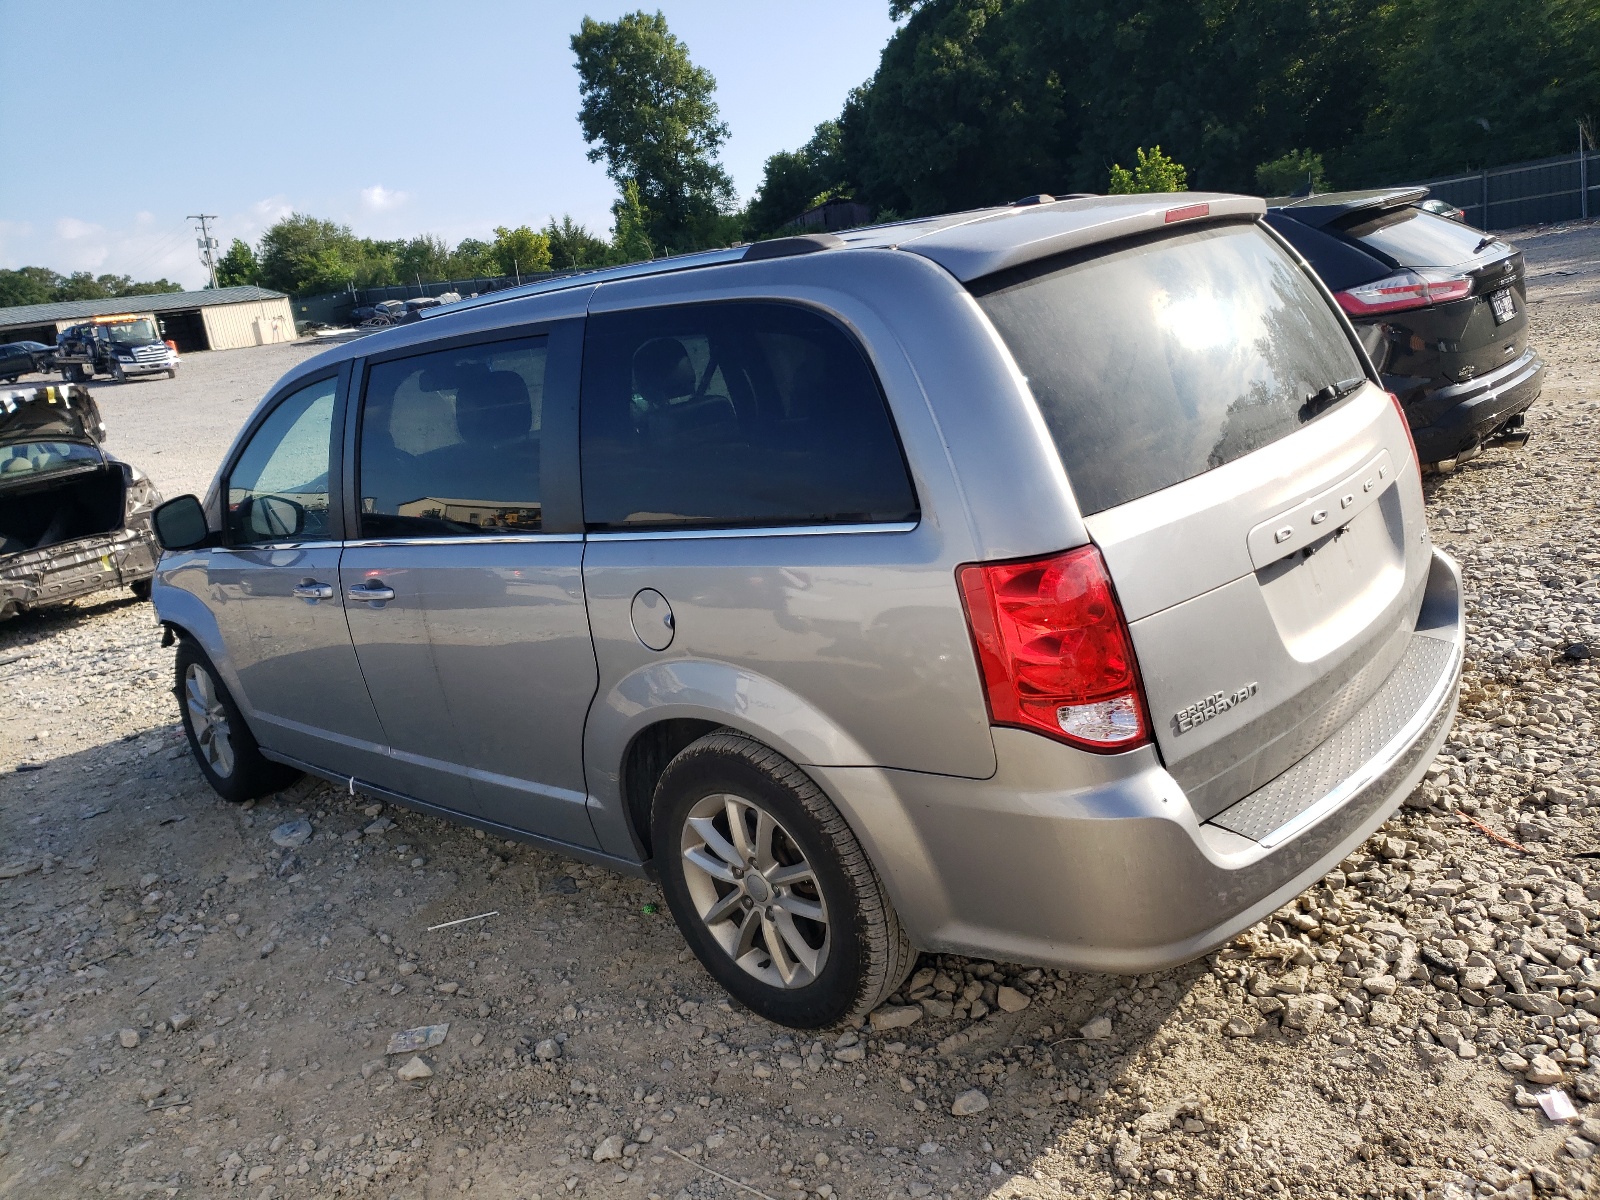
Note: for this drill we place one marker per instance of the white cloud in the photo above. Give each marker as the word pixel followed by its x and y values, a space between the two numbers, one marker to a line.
pixel 378 198
pixel 70 229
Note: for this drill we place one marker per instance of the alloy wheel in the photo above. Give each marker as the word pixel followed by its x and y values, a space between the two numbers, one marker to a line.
pixel 757 894
pixel 209 720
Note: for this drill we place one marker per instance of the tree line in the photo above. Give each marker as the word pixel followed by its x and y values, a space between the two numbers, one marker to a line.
pixel 40 285
pixel 978 102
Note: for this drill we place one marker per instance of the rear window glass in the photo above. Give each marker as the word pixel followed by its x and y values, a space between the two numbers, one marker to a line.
pixel 1409 237
pixel 1162 359
pixel 734 414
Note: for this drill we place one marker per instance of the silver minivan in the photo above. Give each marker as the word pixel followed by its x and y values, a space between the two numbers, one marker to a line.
pixel 1047 583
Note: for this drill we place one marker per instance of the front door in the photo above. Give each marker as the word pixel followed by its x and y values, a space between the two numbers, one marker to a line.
pixel 275 593
pixel 466 611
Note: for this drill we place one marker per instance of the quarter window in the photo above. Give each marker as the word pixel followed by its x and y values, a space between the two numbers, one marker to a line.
pixel 450 442
pixel 734 414
pixel 278 490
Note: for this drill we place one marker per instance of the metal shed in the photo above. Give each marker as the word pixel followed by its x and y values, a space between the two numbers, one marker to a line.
pixel 214 319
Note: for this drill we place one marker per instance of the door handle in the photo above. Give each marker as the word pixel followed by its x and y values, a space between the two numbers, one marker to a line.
pixel 373 592
pixel 312 590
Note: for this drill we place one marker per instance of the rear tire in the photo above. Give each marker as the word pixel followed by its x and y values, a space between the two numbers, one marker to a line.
pixel 783 908
pixel 223 747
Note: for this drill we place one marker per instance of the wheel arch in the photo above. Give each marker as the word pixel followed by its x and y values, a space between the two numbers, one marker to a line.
pixel 636 727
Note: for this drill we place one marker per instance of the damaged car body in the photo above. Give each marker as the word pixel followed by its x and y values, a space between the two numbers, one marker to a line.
pixel 73 518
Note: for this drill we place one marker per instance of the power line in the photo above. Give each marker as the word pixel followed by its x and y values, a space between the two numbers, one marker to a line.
pixel 207 243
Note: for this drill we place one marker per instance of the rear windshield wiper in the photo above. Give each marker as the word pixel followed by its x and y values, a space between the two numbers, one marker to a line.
pixel 1330 395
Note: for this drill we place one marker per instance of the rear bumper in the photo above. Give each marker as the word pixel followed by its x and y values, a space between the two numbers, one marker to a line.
pixel 1098 863
pixel 65 572
pixel 1466 413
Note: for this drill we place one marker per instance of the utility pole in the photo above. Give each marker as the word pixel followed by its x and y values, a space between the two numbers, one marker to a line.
pixel 207 243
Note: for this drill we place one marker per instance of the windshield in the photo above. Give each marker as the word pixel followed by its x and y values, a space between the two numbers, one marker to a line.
pixel 1169 356
pixel 132 333
pixel 38 458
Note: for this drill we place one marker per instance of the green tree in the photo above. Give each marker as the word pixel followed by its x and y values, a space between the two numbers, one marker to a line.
pixel 1288 173
pixel 630 237
pixel 648 111
pixel 302 253
pixel 795 180
pixel 471 258
pixel 572 247
pixel 1155 172
pixel 238 265
pixel 520 251
pixel 27 285
pixel 424 257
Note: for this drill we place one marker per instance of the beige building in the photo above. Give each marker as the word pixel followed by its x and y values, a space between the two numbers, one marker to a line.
pixel 214 319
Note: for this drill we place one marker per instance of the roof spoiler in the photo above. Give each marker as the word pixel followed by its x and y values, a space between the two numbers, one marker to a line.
pixel 1325 209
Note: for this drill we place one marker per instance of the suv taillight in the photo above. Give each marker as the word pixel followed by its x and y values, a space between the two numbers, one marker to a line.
pixel 1054 650
pixel 1404 290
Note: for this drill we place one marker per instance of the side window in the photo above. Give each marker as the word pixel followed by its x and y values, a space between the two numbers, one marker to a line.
pixel 450 442
pixel 734 414
pixel 278 490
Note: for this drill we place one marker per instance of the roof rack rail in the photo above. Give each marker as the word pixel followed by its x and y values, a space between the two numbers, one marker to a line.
pixel 655 266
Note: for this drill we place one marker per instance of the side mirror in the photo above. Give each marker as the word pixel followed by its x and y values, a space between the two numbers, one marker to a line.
pixel 274 517
pixel 180 524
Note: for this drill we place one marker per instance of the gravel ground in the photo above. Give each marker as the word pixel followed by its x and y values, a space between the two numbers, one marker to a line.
pixel 189 1008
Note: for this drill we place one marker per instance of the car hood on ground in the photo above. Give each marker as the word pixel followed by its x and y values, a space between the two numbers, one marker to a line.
pixel 51 413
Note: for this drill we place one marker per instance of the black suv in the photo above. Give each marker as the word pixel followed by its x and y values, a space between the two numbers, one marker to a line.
pixel 1440 306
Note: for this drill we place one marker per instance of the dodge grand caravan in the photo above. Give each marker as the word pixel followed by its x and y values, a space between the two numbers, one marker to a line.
pixel 1047 583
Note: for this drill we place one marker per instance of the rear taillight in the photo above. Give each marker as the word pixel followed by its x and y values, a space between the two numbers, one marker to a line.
pixel 1400 411
pixel 1054 650
pixel 1404 290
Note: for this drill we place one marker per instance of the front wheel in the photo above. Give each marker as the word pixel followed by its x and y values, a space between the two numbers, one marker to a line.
pixel 118 373
pixel 171 374
pixel 771 888
pixel 223 747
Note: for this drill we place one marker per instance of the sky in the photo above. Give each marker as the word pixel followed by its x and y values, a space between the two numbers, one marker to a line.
pixel 446 117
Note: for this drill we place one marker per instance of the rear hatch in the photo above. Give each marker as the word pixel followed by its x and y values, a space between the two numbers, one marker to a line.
pixel 1254 496
pixel 1453 299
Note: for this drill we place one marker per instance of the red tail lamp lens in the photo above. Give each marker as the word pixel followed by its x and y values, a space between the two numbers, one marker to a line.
pixel 1054 650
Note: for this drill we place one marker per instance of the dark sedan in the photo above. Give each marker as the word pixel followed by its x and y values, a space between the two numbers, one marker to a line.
pixel 1440 306
pixel 23 358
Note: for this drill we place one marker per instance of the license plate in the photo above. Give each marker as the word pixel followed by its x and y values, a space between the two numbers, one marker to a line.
pixel 1504 306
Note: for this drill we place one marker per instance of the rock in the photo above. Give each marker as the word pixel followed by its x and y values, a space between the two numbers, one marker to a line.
pixel 414 1069
pixel 969 1103
pixel 180 1021
pixel 850 1054
pixel 1125 1154
pixel 1008 999
pixel 128 1037
pixel 448 989
pixel 381 825
pixel 407 968
pixel 1576 652
pixel 1543 1069
pixel 1590 1129
pixel 267 948
pixel 1239 1027
pixel 547 1050
pixel 891 1016
pixel 1096 1030
pixel 938 1010
pixel 609 1149
pixel 1385 1015
pixel 1379 985
pixel 1391 848
pixel 1302 1012
pixel 292 834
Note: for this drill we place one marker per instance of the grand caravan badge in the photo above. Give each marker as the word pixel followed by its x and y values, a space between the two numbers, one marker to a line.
pixel 1213 705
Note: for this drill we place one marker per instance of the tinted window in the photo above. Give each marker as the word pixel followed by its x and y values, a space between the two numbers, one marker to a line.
pixel 1409 237
pixel 1341 264
pixel 278 490
pixel 450 442
pixel 1160 360
pixel 717 415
